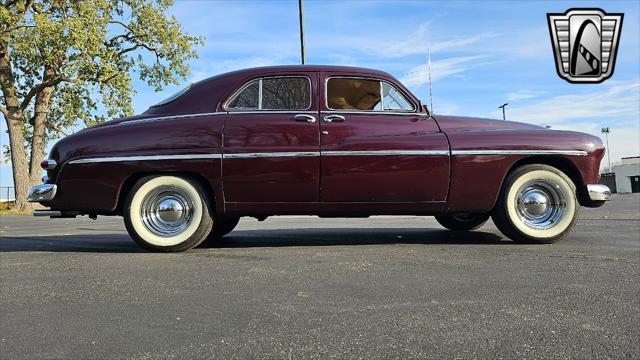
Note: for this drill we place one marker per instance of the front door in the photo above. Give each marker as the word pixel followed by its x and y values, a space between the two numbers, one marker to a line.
pixel 377 146
pixel 271 145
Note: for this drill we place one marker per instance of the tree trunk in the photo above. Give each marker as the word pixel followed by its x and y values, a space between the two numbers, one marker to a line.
pixel 41 110
pixel 21 178
pixel 14 118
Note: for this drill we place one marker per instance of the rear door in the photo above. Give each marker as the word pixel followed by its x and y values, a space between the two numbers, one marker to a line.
pixel 271 145
pixel 376 146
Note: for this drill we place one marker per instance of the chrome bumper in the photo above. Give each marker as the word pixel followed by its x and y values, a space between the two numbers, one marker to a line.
pixel 42 192
pixel 599 192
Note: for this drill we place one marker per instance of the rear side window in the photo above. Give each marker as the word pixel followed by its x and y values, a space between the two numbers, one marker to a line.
pixel 276 93
pixel 366 95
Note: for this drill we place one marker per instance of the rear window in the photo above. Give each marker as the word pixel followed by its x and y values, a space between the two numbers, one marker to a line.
pixel 275 93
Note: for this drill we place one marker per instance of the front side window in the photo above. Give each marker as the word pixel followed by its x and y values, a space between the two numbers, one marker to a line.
pixel 353 94
pixel 393 99
pixel 278 93
pixel 366 95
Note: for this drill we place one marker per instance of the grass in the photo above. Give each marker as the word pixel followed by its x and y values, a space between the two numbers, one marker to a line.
pixel 6 208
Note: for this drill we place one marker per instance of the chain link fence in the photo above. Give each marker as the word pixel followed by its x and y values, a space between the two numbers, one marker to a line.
pixel 7 193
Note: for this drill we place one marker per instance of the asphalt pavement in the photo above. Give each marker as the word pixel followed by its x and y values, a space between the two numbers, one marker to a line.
pixel 304 287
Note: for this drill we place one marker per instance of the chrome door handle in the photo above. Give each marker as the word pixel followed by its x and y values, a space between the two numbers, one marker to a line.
pixel 304 117
pixel 333 118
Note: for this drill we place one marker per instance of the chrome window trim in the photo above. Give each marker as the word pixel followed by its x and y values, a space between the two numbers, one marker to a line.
pixel 145 158
pixel 237 92
pixel 519 152
pixel 358 112
pixel 326 97
pixel 266 112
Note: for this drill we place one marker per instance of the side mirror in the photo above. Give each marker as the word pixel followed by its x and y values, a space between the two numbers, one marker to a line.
pixel 423 107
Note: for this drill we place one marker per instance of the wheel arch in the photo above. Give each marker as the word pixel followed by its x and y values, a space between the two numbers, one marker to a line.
pixel 559 162
pixel 128 184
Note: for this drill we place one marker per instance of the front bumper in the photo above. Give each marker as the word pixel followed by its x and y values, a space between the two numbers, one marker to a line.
pixel 599 192
pixel 42 192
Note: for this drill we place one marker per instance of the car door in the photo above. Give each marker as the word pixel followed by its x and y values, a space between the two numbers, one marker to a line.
pixel 376 152
pixel 271 141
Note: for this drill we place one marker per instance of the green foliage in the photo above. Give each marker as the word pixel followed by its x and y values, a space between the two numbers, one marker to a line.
pixel 87 52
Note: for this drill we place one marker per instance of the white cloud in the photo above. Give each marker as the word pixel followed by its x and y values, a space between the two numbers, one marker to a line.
pixel 443 68
pixel 619 100
pixel 420 42
pixel 523 94
pixel 616 106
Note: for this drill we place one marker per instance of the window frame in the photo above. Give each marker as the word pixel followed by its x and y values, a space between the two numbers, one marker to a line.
pixel 383 111
pixel 236 93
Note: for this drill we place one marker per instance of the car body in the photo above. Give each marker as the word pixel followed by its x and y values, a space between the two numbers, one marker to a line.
pixel 311 140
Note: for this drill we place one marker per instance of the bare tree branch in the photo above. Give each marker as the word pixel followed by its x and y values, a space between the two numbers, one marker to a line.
pixel 4 111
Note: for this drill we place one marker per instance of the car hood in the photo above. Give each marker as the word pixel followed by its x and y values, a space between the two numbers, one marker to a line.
pixel 460 123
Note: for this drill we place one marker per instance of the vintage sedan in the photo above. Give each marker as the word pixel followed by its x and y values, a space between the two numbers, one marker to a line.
pixel 317 140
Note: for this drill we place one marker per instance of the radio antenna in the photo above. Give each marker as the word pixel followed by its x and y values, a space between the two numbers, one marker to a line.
pixel 430 90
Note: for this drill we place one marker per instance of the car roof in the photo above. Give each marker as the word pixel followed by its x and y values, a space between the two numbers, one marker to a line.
pixel 257 71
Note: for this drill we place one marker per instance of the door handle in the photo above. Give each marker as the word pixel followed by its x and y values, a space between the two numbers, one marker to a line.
pixel 333 118
pixel 304 117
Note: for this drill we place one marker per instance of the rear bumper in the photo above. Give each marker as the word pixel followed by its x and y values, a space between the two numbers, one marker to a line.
pixel 599 192
pixel 42 192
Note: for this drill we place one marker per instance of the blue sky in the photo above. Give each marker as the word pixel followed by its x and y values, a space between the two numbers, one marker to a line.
pixel 483 55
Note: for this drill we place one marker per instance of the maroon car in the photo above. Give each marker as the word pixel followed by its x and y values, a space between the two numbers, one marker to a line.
pixel 317 140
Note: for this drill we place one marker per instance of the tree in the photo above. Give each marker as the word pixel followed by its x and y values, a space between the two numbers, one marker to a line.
pixel 66 63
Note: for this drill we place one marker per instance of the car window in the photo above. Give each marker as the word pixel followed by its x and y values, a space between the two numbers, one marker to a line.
pixel 278 93
pixel 247 98
pixel 286 93
pixel 353 94
pixel 393 99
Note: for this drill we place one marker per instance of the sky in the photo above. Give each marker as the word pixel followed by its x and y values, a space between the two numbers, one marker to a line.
pixel 483 54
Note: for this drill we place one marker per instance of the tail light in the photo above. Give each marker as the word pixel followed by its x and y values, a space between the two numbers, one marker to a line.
pixel 48 164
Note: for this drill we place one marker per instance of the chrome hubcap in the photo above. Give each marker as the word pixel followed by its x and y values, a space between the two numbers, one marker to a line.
pixel 166 211
pixel 540 204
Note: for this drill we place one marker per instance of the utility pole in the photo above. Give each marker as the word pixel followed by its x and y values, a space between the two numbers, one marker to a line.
pixel 504 116
pixel 301 16
pixel 606 131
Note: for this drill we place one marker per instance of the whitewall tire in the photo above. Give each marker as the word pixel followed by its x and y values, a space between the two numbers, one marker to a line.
pixel 167 213
pixel 537 204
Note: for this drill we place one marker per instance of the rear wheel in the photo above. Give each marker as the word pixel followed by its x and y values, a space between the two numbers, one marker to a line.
pixel 537 204
pixel 167 213
pixel 463 222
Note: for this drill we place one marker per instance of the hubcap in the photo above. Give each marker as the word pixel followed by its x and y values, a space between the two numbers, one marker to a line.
pixel 166 211
pixel 540 204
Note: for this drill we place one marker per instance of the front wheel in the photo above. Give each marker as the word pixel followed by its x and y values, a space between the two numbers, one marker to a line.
pixel 537 204
pixel 463 222
pixel 167 213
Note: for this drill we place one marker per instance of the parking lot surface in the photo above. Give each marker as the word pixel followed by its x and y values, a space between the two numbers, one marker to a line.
pixel 304 287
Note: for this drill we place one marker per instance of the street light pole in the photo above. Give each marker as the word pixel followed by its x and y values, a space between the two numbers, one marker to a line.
pixel 300 14
pixel 606 131
pixel 503 106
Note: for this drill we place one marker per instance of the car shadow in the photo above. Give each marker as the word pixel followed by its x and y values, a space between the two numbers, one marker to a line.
pixel 121 243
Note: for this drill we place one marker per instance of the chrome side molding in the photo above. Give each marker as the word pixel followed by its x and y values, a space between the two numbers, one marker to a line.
pixel 599 192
